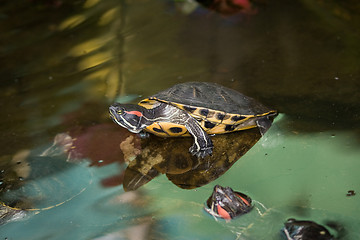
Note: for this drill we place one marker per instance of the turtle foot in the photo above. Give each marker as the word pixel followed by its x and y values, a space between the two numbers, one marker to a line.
pixel 143 134
pixel 265 123
pixel 203 152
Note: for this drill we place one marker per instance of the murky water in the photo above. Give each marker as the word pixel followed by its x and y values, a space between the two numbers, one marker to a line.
pixel 63 62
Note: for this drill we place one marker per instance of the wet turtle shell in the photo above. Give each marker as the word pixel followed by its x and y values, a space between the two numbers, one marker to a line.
pixel 218 109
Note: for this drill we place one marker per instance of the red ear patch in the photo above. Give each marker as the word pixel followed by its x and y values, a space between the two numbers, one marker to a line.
pixel 243 199
pixel 223 213
pixel 137 113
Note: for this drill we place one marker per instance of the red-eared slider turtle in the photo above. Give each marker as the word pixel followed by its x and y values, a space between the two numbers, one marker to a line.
pixel 227 204
pixel 304 230
pixel 196 109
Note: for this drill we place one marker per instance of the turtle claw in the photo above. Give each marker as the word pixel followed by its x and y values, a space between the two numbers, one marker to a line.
pixel 200 153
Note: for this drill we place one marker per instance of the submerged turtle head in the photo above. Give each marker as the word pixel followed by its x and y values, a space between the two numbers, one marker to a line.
pixel 227 204
pixel 129 116
pixel 294 229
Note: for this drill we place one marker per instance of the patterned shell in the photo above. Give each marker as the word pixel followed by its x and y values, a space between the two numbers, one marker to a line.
pixel 211 96
pixel 218 109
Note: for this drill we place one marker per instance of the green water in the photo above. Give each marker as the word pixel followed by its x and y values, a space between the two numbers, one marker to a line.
pixel 64 62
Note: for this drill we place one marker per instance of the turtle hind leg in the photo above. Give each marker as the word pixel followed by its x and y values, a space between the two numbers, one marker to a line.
pixel 263 124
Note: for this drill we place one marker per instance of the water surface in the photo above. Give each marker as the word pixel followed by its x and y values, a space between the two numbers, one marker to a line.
pixel 64 62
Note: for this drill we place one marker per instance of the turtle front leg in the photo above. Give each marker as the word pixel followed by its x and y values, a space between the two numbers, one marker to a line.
pixel 143 134
pixel 203 145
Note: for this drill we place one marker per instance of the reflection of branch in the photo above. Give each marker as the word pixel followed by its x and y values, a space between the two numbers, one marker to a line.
pixel 99 57
pixel 117 28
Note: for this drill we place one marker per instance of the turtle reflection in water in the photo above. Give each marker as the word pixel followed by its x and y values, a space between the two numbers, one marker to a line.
pixel 194 109
pixel 227 204
pixel 167 156
pixel 305 230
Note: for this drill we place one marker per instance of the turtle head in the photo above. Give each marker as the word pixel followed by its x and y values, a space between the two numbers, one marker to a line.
pixel 129 116
pixel 227 203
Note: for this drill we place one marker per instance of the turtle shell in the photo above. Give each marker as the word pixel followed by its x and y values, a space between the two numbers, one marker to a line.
pixel 218 109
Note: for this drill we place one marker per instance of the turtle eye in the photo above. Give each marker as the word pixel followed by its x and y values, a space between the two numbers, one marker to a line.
pixel 120 111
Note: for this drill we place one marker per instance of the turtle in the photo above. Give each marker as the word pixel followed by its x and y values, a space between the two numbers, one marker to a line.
pixel 304 230
pixel 196 109
pixel 225 203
